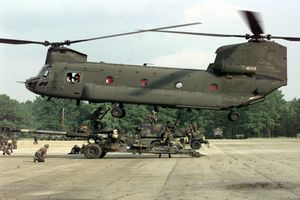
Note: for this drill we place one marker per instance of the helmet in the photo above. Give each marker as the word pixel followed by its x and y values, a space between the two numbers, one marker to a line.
pixel 46 146
pixel 115 134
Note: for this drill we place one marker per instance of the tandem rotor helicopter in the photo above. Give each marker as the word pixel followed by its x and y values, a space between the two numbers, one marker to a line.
pixel 242 74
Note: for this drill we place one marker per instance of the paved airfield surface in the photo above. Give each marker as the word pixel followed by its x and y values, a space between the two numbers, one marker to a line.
pixel 228 169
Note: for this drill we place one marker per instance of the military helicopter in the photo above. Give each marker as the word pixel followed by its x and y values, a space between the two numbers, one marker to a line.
pixel 241 75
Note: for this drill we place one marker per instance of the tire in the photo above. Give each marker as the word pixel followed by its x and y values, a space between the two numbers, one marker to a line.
pixel 233 116
pixel 92 151
pixel 118 112
pixel 102 155
pixel 195 144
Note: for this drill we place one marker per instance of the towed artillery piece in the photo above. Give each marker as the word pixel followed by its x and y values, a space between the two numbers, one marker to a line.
pixel 103 141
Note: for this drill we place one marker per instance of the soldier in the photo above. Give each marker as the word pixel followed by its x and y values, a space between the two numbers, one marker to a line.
pixel 35 140
pixel 14 142
pixel 190 130
pixel 75 150
pixel 1 142
pixel 76 78
pixel 4 144
pixel 7 149
pixel 96 119
pixel 40 155
pixel 153 117
pixel 167 136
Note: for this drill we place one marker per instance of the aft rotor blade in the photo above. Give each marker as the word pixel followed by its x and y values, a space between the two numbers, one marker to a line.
pixel 16 42
pixel 201 34
pixel 294 39
pixel 129 33
pixel 252 19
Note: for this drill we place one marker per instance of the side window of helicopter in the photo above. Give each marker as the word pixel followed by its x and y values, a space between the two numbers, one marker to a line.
pixel 46 72
pixel 73 77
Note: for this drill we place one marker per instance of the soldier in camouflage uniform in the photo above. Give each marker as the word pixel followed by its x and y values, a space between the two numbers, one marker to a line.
pixel 14 142
pixel 35 140
pixel 40 155
pixel 167 136
pixel 75 150
pixel 96 119
pixel 1 142
pixel 153 117
pixel 190 130
pixel 7 148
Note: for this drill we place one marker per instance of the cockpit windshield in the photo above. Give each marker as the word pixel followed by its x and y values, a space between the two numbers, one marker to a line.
pixel 45 71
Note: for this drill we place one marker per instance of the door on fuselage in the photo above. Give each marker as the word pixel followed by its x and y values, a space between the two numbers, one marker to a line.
pixel 73 85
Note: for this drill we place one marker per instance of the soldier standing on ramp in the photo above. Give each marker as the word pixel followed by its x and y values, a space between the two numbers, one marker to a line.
pixel 40 155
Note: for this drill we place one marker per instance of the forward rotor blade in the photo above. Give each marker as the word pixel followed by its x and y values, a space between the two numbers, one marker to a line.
pixel 201 34
pixel 294 39
pixel 68 42
pixel 16 42
pixel 129 33
pixel 252 19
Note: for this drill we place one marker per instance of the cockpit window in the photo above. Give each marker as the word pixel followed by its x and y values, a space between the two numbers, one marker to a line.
pixel 45 71
pixel 73 77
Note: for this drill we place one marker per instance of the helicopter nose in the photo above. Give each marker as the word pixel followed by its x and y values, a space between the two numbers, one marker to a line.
pixel 31 84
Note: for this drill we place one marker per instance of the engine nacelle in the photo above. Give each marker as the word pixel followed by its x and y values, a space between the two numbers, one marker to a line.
pixel 230 68
pixel 263 58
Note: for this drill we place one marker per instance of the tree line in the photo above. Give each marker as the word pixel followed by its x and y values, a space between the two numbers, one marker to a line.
pixel 272 118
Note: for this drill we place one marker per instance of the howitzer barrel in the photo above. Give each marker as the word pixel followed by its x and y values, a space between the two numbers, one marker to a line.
pixel 63 133
pixel 49 132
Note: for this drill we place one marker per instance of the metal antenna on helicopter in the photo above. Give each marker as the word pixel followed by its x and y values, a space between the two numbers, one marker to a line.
pixel 252 20
pixel 69 42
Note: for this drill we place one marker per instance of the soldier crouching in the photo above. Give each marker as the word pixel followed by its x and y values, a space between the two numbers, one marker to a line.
pixel 7 149
pixel 40 155
pixel 75 150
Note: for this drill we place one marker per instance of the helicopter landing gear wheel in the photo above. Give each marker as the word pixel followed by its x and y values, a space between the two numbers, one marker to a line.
pixel 118 111
pixel 233 116
pixel 92 151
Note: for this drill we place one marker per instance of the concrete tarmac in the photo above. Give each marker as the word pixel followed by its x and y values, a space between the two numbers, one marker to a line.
pixel 228 169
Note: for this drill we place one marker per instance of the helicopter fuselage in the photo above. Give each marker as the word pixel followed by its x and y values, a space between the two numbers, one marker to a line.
pixel 242 74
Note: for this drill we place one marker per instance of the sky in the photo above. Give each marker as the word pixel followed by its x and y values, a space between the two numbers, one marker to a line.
pixel 59 20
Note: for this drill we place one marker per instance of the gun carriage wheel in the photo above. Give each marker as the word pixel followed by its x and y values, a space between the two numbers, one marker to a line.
pixel 93 151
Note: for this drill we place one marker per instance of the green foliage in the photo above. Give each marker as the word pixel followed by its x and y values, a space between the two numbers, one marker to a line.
pixel 11 113
pixel 273 117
